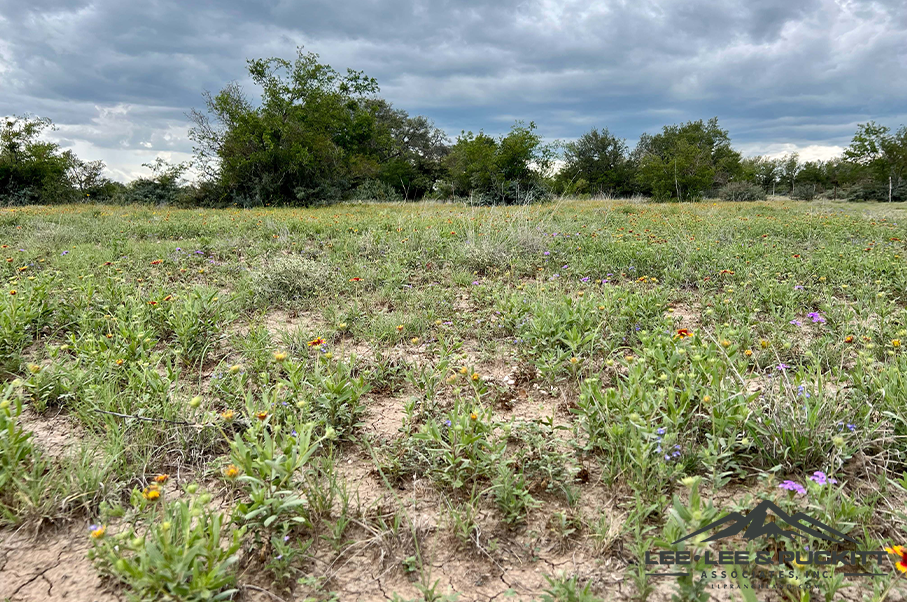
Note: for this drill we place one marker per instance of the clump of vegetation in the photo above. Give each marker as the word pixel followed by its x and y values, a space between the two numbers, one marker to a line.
pixel 291 280
pixel 741 191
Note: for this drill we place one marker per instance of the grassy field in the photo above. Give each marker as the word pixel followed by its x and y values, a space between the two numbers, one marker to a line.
pixel 416 401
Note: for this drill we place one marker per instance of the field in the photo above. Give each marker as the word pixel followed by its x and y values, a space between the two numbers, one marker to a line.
pixel 438 402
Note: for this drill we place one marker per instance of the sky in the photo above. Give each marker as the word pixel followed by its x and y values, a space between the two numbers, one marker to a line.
pixel 117 78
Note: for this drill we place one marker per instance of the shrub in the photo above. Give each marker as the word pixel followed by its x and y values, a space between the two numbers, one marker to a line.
pixel 804 192
pixel 290 279
pixel 741 191
pixel 376 190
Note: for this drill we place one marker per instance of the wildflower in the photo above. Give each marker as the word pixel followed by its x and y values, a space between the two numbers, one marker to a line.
pixel 473 416
pixel 816 317
pixel 707 399
pixel 151 493
pixel 901 553
pixel 168 297
pixel 23 268
pixel 848 339
pixel 764 344
pixel 355 279
pixel 464 370
pixel 399 327
pixel 683 333
pixel 161 478
pixel 152 303
pixel 792 486
pixel 261 415
pixel 157 262
pixel 725 343
pixel 414 340
pixel 231 471
pixel 795 323
pixel 280 356
pixel 97 531
pixel 782 367
pixel 228 415
pixel 821 478
pixel 475 376
pixel 895 343
pixel 573 360
pixel 748 352
pixel 235 369
pixel 13 292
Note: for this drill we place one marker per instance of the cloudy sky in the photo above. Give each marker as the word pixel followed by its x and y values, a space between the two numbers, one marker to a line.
pixel 781 75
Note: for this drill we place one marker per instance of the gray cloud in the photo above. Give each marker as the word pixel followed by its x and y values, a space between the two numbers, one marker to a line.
pixel 118 77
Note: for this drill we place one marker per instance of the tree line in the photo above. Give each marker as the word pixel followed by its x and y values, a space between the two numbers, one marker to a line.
pixel 319 136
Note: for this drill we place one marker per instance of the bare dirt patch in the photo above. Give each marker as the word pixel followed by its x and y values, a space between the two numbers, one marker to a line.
pixel 56 434
pixel 49 568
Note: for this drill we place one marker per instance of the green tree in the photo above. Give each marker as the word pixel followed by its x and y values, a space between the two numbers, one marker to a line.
pixel 409 150
pixel 789 168
pixel 598 162
pixel 32 170
pixel 686 161
pixel 312 138
pixel 763 171
pixel 507 170
pixel 880 159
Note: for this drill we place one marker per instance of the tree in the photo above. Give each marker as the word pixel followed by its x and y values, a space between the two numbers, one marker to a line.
pixel 311 139
pixel 32 170
pixel 87 177
pixel 789 167
pixel 764 171
pixel 600 162
pixel 880 159
pixel 507 170
pixel 409 150
pixel 687 161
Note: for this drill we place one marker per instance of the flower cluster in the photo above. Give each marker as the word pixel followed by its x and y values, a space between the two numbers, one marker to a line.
pixel 793 486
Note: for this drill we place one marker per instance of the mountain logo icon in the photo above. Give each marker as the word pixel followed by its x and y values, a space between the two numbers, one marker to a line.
pixel 754 525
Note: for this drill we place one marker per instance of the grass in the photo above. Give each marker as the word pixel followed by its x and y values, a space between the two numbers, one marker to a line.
pixel 299 400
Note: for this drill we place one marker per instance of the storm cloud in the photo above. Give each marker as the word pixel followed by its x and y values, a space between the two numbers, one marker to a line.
pixel 118 77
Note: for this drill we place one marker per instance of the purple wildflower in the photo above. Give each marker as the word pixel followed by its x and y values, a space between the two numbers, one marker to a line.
pixel 821 478
pixel 546 253
pixel 795 323
pixel 792 486
pixel 585 279
pixel 782 367
pixel 816 317
pixel 798 288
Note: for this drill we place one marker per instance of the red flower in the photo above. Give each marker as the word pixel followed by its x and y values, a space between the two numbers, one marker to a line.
pixel 899 551
pixel 683 333
pixel 356 279
pixel 157 261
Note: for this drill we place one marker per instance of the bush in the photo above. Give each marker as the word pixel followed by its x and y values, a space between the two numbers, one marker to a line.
pixel 804 192
pixel 741 191
pixel 376 190
pixel 290 279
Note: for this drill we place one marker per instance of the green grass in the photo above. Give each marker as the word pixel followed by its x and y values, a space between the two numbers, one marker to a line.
pixel 514 383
